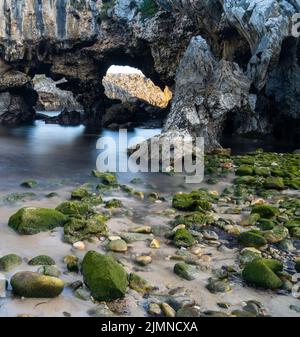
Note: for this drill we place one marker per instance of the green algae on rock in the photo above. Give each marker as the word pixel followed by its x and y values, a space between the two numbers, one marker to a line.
pixel 113 203
pixel 194 201
pixel 79 229
pixel 73 208
pixel 79 193
pixel 29 184
pixel 36 285
pixel 194 220
pixel 9 262
pixel 139 284
pixel 244 170
pixel 275 183
pixel 277 234
pixel 183 238
pixel 41 260
pixel 262 273
pixel 32 220
pixel 252 239
pixel 185 271
pixel 106 178
pixel 104 276
pixel 265 211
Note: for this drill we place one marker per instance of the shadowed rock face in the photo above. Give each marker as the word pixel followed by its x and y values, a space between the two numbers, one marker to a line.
pixel 231 62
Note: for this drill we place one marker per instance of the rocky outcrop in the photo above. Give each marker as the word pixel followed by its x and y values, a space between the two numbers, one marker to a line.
pixel 51 98
pixel 234 64
pixel 17 97
pixel 207 90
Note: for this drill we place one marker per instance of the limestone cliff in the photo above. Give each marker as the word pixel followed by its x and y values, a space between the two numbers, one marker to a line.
pixel 233 64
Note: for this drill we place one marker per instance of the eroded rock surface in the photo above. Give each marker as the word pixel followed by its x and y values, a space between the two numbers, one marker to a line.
pixel 234 65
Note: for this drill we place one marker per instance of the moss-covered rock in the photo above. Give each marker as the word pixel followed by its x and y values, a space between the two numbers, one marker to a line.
pixel 73 208
pixel 139 284
pixel 244 170
pixel 32 220
pixel 36 285
pixel 245 180
pixel 183 238
pixel 104 276
pixel 262 171
pixel 262 273
pixel 265 211
pixel 41 260
pixel 275 183
pixel 114 203
pixel 79 193
pixel 194 220
pixel 190 202
pixel 79 229
pixel 185 271
pixel 249 254
pixel 297 265
pixel 218 286
pixel 293 223
pixel 295 232
pixel 277 234
pixel 9 262
pixel 106 178
pixel 252 239
pixel 265 224
pixel 29 184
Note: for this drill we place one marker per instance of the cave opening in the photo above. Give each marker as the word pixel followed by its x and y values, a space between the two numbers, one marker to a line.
pixel 133 99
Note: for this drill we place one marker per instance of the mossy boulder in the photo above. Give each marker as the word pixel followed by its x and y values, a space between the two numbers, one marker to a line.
pixel 244 170
pixel 36 285
pixel 248 255
pixel 293 223
pixel 194 201
pixel 29 184
pixel 104 276
pixel 252 239
pixel 139 284
pixel 79 229
pixel 41 260
pixel 106 178
pixel 32 220
pixel 114 203
pixel 262 273
pixel 218 286
pixel 275 183
pixel 79 193
pixel 73 208
pixel 186 271
pixel 297 265
pixel 194 220
pixel 295 232
pixel 245 180
pixel 262 171
pixel 277 234
pixel 9 262
pixel 183 238
pixel 265 211
pixel 265 224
